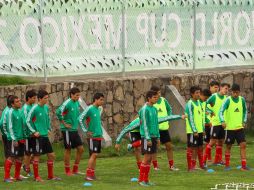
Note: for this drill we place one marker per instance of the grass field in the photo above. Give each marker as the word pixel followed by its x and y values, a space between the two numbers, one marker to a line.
pixel 114 171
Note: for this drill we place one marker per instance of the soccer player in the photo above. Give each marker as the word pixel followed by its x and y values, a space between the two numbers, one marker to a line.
pixel 3 126
pixel 164 109
pixel 204 95
pixel 15 139
pixel 38 122
pixel 136 138
pixel 194 129
pixel 68 114
pixel 31 97
pixel 214 88
pixel 150 135
pixel 90 122
pixel 236 117
pixel 217 131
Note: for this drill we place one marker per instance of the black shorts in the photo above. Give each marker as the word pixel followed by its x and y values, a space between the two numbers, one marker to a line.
pixel 94 145
pixel 232 135
pixel 71 139
pixel 41 145
pixel 15 151
pixel 217 132
pixel 145 149
pixel 207 134
pixel 28 146
pixel 193 141
pixel 164 136
pixel 4 140
pixel 135 136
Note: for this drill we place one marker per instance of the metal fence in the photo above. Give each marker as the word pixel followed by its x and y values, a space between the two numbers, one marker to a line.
pixel 72 37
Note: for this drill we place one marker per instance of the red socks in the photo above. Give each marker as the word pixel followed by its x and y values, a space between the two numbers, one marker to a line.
pixel 144 172
pixel 171 163
pixel 218 154
pixel 67 168
pixel 75 168
pixel 227 159
pixel 50 169
pixel 90 172
pixel 155 163
pixel 208 150
pixel 193 164
pixel 138 164
pixel 188 156
pixel 200 158
pixel 7 169
pixel 243 163
pixel 136 144
pixel 18 165
pixel 36 169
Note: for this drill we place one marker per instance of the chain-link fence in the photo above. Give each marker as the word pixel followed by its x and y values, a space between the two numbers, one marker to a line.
pixel 71 37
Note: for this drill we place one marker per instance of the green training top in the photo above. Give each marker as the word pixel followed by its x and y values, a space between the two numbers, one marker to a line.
pixel 69 112
pixel 3 126
pixel 216 101
pixel 164 109
pixel 38 120
pixel 149 127
pixel 194 122
pixel 24 111
pixel 90 120
pixel 14 123
pixel 236 111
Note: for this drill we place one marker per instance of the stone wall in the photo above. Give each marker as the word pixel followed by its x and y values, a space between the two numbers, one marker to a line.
pixel 125 96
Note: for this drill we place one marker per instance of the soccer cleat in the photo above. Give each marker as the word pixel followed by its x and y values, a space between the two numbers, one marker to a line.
pixel 55 178
pixel 129 147
pixel 8 180
pixel 38 179
pixel 245 168
pixel 173 168
pixel 145 184
pixel 227 168
pixel 78 173
pixel 23 177
pixel 29 174
pixel 89 178
pixel 156 169
pixel 18 179
pixel 69 173
pixel 150 183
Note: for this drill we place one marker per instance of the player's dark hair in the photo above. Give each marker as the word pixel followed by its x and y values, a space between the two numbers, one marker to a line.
pixel 150 94
pixel 74 90
pixel 214 83
pixel 12 99
pixel 193 89
pixel 97 96
pixel 30 94
pixel 155 89
pixel 235 87
pixel 8 102
pixel 206 92
pixel 224 84
pixel 42 93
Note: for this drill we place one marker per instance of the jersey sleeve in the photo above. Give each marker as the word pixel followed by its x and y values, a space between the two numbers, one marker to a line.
pixel 244 110
pixel 82 119
pixel 168 107
pixel 29 120
pixel 223 108
pixel 60 111
pixel 190 118
pixel 145 117
pixel 10 125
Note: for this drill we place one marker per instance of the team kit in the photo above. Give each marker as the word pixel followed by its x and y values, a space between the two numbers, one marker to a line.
pixel 214 118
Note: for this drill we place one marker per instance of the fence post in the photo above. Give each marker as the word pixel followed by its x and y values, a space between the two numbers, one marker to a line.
pixel 194 38
pixel 42 42
pixel 123 37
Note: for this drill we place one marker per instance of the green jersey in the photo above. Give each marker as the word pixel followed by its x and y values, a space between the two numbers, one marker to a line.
pixel 236 111
pixel 25 110
pixel 38 120
pixel 90 121
pixel 194 122
pixel 3 126
pixel 164 109
pixel 69 113
pixel 14 122
pixel 135 124
pixel 149 127
pixel 216 101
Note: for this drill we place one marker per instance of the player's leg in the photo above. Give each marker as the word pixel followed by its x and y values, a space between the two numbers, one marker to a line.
pixel 67 158
pixel 137 153
pixel 78 145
